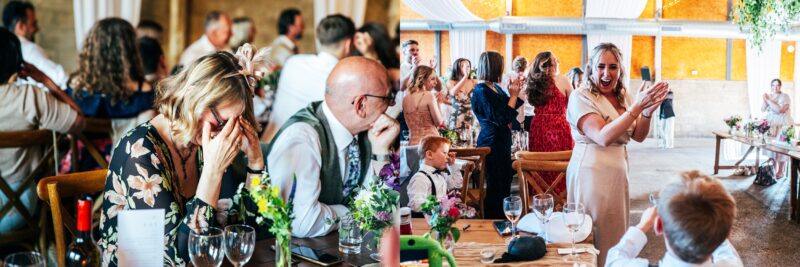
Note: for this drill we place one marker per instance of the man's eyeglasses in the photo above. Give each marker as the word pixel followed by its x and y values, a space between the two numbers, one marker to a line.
pixel 389 98
pixel 220 123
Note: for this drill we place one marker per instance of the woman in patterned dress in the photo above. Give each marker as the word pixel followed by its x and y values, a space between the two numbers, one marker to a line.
pixel 185 159
pixel 460 87
pixel 548 92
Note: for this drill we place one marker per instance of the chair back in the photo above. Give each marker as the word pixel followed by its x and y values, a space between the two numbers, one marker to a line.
pixel 52 189
pixel 94 126
pixel 531 165
pixel 34 229
pixel 478 156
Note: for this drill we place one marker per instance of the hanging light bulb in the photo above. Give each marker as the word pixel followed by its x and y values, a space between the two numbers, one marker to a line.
pixel 790 48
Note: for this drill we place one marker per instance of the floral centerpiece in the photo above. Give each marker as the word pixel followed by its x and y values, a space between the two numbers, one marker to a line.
pixel 272 208
pixel 787 135
pixel 450 134
pixel 442 214
pixel 732 122
pixel 375 203
pixel 762 127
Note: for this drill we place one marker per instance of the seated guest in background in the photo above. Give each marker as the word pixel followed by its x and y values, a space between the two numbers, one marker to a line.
pixel 372 41
pixel 695 216
pixel 217 27
pixel 185 160
pixel 335 145
pixel 420 108
pixel 290 28
pixel 153 61
pixel 495 111
pixel 20 18
pixel 244 31
pixel 437 174
pixel 110 84
pixel 303 77
pixel 575 76
pixel 27 107
pixel 150 28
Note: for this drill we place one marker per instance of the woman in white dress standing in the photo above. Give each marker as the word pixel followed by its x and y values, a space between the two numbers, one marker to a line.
pixel 602 121
pixel 776 105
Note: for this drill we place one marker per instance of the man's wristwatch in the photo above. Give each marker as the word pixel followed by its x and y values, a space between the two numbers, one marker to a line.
pixel 384 157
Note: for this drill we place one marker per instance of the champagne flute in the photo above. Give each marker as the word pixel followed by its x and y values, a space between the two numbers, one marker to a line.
pixel 543 208
pixel 512 207
pixel 240 240
pixel 573 216
pixel 206 247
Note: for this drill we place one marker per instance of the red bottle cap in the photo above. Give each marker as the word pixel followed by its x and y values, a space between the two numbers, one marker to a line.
pixel 84 215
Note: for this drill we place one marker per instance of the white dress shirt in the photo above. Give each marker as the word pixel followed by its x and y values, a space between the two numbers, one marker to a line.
pixel 302 81
pixel 420 187
pixel 625 252
pixel 36 56
pixel 282 49
pixel 199 48
pixel 297 153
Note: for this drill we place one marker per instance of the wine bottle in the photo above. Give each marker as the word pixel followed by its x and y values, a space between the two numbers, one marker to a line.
pixel 83 251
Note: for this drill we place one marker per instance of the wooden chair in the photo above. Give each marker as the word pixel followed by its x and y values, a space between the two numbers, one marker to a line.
pixel 35 229
pixel 529 165
pixel 52 189
pixel 478 156
pixel 93 125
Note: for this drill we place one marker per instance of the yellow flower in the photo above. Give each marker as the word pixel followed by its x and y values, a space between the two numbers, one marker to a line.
pixel 262 205
pixel 255 182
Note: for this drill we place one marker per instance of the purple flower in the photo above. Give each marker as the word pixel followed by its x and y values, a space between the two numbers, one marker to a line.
pixel 383 216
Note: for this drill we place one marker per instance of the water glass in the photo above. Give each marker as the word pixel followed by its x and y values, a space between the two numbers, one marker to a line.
pixel 512 207
pixel 25 259
pixel 206 247
pixel 240 241
pixel 573 216
pixel 543 208
pixel 350 236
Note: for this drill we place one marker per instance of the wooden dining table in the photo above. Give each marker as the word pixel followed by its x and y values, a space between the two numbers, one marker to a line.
pixel 481 234
pixel 263 255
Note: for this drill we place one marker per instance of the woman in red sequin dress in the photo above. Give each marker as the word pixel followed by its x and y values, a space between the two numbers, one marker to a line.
pixel 548 93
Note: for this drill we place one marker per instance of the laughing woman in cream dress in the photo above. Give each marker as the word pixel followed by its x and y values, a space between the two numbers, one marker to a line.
pixel 776 105
pixel 602 121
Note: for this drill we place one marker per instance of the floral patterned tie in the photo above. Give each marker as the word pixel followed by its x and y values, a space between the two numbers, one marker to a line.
pixel 353 168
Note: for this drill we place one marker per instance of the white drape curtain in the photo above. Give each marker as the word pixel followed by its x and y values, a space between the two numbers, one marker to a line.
pixel 354 9
pixel 618 9
pixel 87 12
pixel 762 66
pixel 463 43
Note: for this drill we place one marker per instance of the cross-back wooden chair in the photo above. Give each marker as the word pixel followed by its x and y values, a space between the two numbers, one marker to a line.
pixel 530 165
pixel 35 228
pixel 93 125
pixel 478 156
pixel 52 189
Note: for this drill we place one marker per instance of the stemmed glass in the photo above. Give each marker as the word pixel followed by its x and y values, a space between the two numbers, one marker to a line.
pixel 206 247
pixel 512 207
pixel 25 259
pixel 240 240
pixel 543 208
pixel 573 215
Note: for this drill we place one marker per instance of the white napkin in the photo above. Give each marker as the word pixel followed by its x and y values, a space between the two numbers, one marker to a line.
pixel 556 230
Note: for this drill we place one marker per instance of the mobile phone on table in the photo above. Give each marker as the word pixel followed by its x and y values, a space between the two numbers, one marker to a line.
pixel 503 227
pixel 315 256
pixel 646 74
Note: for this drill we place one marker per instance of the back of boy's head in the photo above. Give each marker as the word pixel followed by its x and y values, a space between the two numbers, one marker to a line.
pixel 697 215
pixel 431 143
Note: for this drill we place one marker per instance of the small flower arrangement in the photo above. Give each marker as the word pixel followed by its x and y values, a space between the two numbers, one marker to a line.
pixel 270 80
pixel 450 134
pixel 443 213
pixel 787 135
pixel 762 126
pixel 273 208
pixel 733 121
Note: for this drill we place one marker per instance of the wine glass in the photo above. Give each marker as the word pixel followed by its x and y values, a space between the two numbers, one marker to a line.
pixel 206 247
pixel 543 208
pixel 25 259
pixel 512 207
pixel 240 240
pixel 573 215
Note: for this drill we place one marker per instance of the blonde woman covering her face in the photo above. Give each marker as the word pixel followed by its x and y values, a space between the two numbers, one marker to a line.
pixel 603 120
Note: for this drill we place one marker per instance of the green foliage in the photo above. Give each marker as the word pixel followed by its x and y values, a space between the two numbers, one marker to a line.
pixel 765 18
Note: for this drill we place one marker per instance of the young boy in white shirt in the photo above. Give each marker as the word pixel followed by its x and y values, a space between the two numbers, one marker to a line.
pixel 695 216
pixel 436 175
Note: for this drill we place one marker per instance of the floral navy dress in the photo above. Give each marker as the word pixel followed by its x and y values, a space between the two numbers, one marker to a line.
pixel 142 175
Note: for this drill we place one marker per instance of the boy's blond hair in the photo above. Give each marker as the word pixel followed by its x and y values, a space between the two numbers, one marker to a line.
pixel 697 215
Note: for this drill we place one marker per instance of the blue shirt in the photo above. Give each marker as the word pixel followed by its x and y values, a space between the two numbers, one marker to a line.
pixel 493 113
pixel 99 106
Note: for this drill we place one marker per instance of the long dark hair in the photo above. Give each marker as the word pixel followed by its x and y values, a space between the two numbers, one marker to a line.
pixel 381 43
pixel 490 66
pixel 11 52
pixel 455 70
pixel 108 58
pixel 539 79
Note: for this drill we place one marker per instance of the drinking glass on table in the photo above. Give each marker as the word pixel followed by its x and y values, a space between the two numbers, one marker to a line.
pixel 206 247
pixel 573 215
pixel 240 240
pixel 25 259
pixel 350 236
pixel 543 208
pixel 512 207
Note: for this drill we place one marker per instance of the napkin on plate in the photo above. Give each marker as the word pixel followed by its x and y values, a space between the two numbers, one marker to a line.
pixel 556 229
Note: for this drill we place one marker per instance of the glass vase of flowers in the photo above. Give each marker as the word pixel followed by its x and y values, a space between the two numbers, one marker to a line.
pixel 763 127
pixel 272 208
pixel 442 214
pixel 375 203
pixel 732 121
